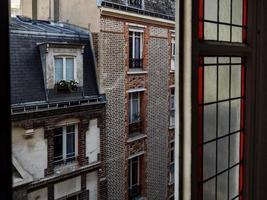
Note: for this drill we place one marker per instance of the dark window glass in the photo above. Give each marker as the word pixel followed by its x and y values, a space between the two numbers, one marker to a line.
pixel 58 144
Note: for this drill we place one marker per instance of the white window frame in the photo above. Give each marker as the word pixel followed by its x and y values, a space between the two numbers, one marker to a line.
pixel 64 66
pixel 138 172
pixel 141 31
pixel 64 141
pixel 172 53
pixel 131 107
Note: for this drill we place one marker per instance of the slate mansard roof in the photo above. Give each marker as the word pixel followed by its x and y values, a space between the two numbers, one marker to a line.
pixel 27 82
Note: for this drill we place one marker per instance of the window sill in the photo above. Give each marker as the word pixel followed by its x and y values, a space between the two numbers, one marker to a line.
pixel 139 71
pixel 172 71
pixel 136 137
pixel 65 168
pixel 171 183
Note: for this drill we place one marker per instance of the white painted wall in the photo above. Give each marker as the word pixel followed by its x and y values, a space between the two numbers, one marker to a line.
pixel 31 153
pixel 67 187
pixel 91 185
pixel 92 141
pixel 40 194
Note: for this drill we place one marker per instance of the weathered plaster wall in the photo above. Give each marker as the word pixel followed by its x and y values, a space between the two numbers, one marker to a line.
pixel 67 187
pixel 89 14
pixel 43 7
pixel 26 7
pixel 93 141
pixel 91 185
pixel 31 153
pixel 40 194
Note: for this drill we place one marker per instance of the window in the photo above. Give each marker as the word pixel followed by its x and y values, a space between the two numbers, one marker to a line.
pixel 65 144
pixel 135 49
pixel 173 53
pixel 221 126
pixel 172 108
pixel 135 3
pixel 133 177
pixel 223 20
pixel 171 167
pixel 134 107
pixel 64 69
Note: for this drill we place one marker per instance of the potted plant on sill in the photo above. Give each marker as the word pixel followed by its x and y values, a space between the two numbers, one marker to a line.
pixel 66 86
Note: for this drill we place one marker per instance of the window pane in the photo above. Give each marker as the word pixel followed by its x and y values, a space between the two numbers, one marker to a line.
pixel 237 13
pixel 234 149
pixel 135 171
pixel 235 81
pixel 210 31
pixel 222 186
pixel 223 87
pixel 130 46
pixel 224 12
pixel 236 34
pixel 58 144
pixel 210 74
pixel 210 10
pixel 233 182
pixel 69 69
pixel 58 69
pixel 70 145
pixel 223 118
pixel 235 116
pixel 209 122
pixel 209 160
pixel 224 33
pixel 137 48
pixel 135 110
pixel 209 190
pixel 222 154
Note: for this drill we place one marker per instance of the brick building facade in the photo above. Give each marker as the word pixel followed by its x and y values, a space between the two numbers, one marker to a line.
pixel 134 49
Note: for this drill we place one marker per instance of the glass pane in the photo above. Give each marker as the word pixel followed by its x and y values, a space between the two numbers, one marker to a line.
pixel 222 186
pixel 236 34
pixel 209 160
pixel 235 81
pixel 224 12
pixel 234 149
pixel 58 147
pixel 236 60
pixel 69 69
pixel 233 182
pixel 235 116
pixel 223 118
pixel 223 87
pixel 209 190
pixel 223 60
pixel 222 154
pixel 130 45
pixel 209 122
pixel 58 69
pixel 135 111
pixel 210 60
pixel 237 12
pixel 71 129
pixel 70 145
pixel 134 172
pixel 137 48
pixel 210 79
pixel 210 10
pixel 224 33
pixel 210 31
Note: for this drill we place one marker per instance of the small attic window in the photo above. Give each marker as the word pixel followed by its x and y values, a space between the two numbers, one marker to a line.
pixel 65 68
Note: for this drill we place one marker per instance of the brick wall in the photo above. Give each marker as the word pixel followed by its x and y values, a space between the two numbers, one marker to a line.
pixel 112 76
pixel 157 121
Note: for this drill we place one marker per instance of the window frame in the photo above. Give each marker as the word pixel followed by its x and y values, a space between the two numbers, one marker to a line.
pixel 221 48
pixel 64 57
pixel 64 159
pixel 130 178
pixel 131 107
pixel 132 50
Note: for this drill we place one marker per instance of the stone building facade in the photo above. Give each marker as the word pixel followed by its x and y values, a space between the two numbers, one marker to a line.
pixel 134 48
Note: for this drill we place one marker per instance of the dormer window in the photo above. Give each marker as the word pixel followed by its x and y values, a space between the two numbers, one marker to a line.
pixel 64 69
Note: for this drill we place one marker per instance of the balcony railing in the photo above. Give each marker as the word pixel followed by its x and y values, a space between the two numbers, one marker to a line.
pixel 135 3
pixel 134 191
pixel 135 63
